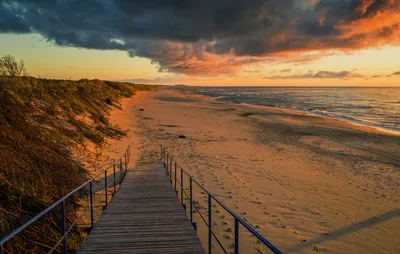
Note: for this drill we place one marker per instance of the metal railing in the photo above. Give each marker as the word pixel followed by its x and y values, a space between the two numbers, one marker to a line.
pixel 172 169
pixel 121 164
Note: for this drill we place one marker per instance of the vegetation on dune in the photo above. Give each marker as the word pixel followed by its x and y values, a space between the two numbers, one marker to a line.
pixel 41 122
pixel 10 67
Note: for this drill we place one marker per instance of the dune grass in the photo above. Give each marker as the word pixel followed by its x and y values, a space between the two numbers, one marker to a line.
pixel 41 122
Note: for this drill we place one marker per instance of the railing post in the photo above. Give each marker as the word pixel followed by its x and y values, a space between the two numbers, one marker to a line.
pixel 182 187
pixel 170 174
pixel 126 164
pixel 236 236
pixel 170 162
pixel 166 167
pixel 167 156
pixel 1 249
pixel 91 204
pixel 164 158
pixel 115 188
pixel 120 168
pixel 161 154
pixel 209 225
pixel 63 227
pixel 191 198
pixel 175 175
pixel 105 187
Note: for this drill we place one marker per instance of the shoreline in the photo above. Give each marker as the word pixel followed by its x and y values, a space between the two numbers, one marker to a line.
pixel 309 112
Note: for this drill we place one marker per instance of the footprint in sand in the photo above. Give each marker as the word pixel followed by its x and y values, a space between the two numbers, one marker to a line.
pixel 226 236
pixel 229 230
pixel 258 250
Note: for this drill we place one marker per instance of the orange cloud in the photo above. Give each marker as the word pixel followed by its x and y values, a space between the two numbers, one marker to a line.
pixel 384 26
pixel 210 37
pixel 191 59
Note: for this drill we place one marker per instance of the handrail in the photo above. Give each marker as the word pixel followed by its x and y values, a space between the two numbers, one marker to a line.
pixel 168 161
pixel 45 211
pixel 61 202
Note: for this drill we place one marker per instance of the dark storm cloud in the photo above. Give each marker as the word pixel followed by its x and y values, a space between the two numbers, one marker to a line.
pixel 10 22
pixel 207 36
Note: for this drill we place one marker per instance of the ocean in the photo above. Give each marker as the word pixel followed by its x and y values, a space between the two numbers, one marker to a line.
pixel 371 106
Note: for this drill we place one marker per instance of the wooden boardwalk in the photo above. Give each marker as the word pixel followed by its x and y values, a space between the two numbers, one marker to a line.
pixel 144 216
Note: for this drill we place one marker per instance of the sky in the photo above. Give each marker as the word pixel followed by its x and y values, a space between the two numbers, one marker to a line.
pixel 208 42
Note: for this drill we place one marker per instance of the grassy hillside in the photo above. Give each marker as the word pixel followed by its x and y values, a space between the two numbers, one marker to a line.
pixel 41 122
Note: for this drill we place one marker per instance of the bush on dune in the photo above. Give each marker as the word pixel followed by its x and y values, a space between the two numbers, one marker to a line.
pixel 41 122
pixel 10 67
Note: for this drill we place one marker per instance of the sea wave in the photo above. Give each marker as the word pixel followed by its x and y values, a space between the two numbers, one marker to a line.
pixel 375 107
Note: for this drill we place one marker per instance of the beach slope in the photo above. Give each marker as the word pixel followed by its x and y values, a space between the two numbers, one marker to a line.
pixel 307 183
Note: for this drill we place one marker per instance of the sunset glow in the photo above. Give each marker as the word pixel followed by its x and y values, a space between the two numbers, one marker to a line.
pixel 265 43
pixel 200 126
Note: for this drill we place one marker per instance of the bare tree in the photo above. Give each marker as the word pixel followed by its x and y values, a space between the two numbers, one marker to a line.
pixel 9 66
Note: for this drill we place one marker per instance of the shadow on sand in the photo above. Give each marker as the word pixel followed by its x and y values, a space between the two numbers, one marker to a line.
pixel 352 228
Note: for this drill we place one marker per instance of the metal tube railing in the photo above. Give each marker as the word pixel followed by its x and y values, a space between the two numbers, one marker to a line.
pixel 115 187
pixel 105 188
pixel 175 173
pixel 191 199
pixel 236 236
pixel 62 203
pixel 120 169
pixel 63 227
pixel 209 225
pixel 167 160
pixel 91 205
pixel 181 186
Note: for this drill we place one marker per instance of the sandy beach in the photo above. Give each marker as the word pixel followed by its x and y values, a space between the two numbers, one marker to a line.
pixel 307 183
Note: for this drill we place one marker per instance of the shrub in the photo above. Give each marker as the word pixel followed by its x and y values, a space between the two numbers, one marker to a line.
pixel 9 66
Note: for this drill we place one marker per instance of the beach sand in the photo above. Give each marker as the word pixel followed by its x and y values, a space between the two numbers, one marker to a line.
pixel 96 159
pixel 306 183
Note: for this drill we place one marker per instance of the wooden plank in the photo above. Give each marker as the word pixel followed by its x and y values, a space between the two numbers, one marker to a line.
pixel 144 216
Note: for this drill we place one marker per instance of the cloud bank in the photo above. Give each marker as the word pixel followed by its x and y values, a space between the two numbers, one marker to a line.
pixel 208 36
pixel 320 75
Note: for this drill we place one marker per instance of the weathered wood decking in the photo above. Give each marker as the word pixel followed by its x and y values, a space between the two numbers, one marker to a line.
pixel 144 216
